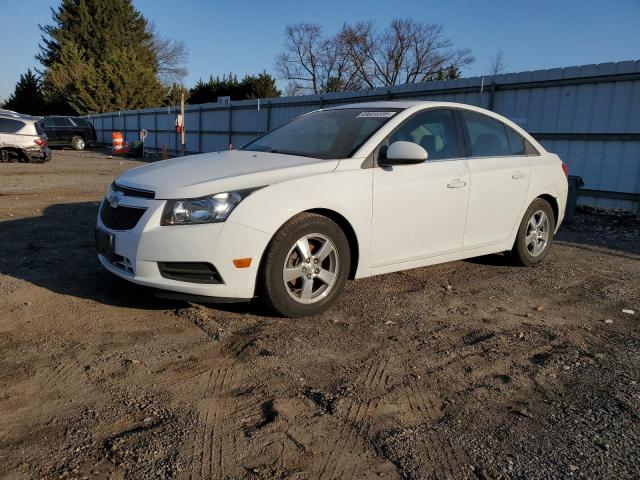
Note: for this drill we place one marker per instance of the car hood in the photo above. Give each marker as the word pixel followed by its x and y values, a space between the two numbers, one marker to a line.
pixel 204 174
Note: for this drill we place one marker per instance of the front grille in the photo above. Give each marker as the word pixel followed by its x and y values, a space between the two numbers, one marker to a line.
pixel 121 217
pixel 195 272
pixel 133 192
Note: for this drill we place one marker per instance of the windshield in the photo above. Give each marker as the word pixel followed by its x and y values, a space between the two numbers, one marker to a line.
pixel 326 134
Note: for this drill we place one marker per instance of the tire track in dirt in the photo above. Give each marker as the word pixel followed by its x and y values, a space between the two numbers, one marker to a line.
pixel 224 417
pixel 355 424
pixel 66 376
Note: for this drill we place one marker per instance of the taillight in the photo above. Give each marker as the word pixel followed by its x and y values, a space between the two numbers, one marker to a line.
pixel 565 169
pixel 41 142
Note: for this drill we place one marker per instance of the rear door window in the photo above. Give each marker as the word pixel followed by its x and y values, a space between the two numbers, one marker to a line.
pixel 487 137
pixel 81 122
pixel 61 122
pixel 516 142
pixel 10 126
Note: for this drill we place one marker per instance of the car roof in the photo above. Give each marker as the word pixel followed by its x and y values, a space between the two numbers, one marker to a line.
pixel 17 116
pixel 385 104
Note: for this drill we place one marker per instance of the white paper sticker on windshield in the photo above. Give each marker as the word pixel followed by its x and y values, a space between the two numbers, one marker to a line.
pixel 376 114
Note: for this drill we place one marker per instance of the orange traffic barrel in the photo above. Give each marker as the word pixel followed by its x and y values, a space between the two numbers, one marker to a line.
pixel 117 144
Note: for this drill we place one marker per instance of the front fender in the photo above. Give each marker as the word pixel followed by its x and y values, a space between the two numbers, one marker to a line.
pixel 347 193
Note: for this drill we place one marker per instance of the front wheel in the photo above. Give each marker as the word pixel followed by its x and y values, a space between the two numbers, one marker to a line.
pixel 77 143
pixel 535 234
pixel 305 267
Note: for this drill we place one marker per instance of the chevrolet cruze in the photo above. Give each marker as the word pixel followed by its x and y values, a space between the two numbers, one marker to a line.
pixel 345 192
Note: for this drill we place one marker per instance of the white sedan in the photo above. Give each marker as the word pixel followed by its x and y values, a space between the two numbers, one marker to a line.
pixel 345 192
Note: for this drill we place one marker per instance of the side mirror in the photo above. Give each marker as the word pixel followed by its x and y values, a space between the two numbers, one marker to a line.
pixel 402 153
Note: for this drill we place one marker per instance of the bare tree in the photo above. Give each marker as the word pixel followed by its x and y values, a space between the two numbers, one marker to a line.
pixel 497 65
pixel 314 62
pixel 171 57
pixel 408 51
pixel 299 62
pixel 293 89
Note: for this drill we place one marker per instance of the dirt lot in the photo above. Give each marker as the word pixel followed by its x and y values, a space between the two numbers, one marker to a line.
pixel 472 369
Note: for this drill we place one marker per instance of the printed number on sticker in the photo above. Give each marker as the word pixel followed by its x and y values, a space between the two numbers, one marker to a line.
pixel 376 114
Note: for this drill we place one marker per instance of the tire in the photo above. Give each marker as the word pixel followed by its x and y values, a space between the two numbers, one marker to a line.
pixel 535 234
pixel 77 143
pixel 326 273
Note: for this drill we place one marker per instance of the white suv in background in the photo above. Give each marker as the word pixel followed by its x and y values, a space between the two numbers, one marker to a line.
pixel 344 192
pixel 22 139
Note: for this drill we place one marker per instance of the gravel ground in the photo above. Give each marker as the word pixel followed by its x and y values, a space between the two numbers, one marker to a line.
pixel 472 369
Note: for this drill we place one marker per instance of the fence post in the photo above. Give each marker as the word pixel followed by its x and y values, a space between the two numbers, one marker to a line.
pixel 268 116
pixel 199 128
pixel 492 95
pixel 230 142
pixel 155 129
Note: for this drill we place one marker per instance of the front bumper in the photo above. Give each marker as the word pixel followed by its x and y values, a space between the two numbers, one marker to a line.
pixel 139 250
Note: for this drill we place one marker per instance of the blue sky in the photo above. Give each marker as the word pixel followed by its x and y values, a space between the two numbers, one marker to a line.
pixel 245 36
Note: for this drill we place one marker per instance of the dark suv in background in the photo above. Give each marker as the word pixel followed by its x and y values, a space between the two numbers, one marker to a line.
pixel 75 132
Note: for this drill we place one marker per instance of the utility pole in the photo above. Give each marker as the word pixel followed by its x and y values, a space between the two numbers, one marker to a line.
pixel 182 136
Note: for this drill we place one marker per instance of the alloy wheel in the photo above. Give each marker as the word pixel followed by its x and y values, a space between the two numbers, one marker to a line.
pixel 310 268
pixel 537 237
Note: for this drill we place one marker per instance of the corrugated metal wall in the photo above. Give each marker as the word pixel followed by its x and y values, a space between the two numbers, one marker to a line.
pixel 589 115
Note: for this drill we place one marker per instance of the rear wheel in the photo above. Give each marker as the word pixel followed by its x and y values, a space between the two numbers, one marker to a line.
pixel 535 234
pixel 12 156
pixel 305 267
pixel 77 143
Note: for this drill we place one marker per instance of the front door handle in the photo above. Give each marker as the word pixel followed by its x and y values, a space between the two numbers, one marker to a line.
pixel 519 175
pixel 457 183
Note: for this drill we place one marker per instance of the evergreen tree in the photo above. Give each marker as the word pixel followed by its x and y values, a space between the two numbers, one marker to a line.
pixel 27 96
pixel 262 85
pixel 174 93
pixel 98 56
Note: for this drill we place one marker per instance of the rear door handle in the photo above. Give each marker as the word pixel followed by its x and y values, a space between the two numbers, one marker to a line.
pixel 457 183
pixel 519 175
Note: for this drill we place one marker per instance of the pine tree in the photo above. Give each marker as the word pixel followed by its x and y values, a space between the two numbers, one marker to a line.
pixel 98 56
pixel 262 85
pixel 27 96
pixel 174 93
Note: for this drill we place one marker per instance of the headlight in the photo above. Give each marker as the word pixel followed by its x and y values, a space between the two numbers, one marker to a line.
pixel 211 209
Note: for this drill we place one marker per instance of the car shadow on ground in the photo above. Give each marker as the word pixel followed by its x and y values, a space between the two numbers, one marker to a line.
pixel 56 251
pixel 619 232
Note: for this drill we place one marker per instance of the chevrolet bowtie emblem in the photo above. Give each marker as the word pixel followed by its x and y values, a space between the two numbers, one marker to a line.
pixel 114 198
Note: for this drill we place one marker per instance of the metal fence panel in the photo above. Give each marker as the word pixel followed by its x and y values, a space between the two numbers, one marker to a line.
pixel 589 115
